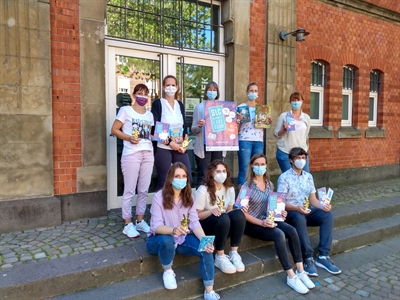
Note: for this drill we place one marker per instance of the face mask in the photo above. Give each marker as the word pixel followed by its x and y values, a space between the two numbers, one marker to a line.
pixel 179 184
pixel 170 90
pixel 211 95
pixel 220 177
pixel 300 163
pixel 296 105
pixel 259 170
pixel 252 96
pixel 141 100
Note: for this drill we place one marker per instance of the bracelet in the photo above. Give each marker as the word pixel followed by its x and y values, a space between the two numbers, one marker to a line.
pixel 169 141
pixel 173 231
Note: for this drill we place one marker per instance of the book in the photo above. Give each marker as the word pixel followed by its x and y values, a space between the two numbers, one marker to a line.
pixel 206 241
pixel 290 120
pixel 263 116
pixel 176 135
pixel 324 196
pixel 276 203
pixel 329 195
pixel 244 111
pixel 161 132
pixel 243 197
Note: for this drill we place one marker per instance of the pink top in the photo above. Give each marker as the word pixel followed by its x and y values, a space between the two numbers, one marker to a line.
pixel 171 217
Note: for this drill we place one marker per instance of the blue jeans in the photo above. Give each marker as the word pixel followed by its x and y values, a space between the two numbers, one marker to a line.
pixel 246 150
pixel 317 217
pixel 163 246
pixel 284 162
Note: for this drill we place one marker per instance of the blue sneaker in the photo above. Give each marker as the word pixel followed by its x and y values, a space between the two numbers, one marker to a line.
pixel 326 263
pixel 310 268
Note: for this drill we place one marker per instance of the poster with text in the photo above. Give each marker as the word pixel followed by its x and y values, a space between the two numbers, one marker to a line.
pixel 221 130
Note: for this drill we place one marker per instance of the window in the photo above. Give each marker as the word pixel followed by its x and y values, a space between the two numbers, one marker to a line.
pixel 189 24
pixel 349 84
pixel 374 89
pixel 318 82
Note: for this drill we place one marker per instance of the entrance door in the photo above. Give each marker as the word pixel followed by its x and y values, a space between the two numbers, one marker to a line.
pixel 125 68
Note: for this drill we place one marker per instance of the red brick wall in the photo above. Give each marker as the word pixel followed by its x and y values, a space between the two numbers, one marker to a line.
pixel 340 37
pixel 390 4
pixel 258 22
pixel 65 68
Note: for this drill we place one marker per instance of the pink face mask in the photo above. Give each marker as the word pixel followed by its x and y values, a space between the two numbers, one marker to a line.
pixel 141 100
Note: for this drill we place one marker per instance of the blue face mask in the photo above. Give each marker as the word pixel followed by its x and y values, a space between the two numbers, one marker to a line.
pixel 252 96
pixel 259 170
pixel 211 95
pixel 179 184
pixel 296 105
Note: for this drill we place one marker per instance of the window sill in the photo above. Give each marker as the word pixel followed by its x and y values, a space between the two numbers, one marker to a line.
pixel 375 132
pixel 320 132
pixel 349 132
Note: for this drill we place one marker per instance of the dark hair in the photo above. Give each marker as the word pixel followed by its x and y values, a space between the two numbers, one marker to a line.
pixel 168 192
pixel 140 87
pixel 296 151
pixel 211 84
pixel 251 84
pixel 176 82
pixel 250 173
pixel 296 95
pixel 209 181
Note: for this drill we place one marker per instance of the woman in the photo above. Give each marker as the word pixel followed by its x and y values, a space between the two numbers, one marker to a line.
pixel 260 227
pixel 168 236
pixel 217 186
pixel 251 140
pixel 170 111
pixel 137 158
pixel 290 139
pixel 203 157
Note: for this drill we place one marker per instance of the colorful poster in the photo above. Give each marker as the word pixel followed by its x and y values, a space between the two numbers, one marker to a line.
pixel 221 130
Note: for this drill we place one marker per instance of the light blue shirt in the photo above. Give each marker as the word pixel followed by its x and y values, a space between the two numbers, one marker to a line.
pixel 297 187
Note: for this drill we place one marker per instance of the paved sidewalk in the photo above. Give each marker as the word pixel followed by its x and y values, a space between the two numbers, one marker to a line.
pixel 97 234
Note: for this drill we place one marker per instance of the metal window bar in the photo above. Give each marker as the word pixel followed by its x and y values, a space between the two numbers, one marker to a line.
pixel 349 78
pixel 318 74
pixel 375 82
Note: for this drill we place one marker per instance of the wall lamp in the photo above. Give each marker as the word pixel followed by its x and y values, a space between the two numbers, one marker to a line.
pixel 299 34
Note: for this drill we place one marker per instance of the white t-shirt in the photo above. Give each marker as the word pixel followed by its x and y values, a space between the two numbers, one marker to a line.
pixel 202 197
pixel 172 116
pixel 247 131
pixel 142 123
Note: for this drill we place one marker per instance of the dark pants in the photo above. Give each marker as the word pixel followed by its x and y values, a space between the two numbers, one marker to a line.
pixel 164 158
pixel 317 217
pixel 278 235
pixel 229 224
pixel 202 163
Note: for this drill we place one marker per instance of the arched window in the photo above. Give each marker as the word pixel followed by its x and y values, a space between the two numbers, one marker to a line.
pixel 349 85
pixel 374 89
pixel 318 83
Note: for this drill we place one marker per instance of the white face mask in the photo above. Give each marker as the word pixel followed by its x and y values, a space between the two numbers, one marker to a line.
pixel 300 163
pixel 170 90
pixel 220 177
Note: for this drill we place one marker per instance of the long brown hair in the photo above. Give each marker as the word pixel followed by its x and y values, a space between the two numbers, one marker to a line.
pixel 209 181
pixel 168 192
pixel 250 173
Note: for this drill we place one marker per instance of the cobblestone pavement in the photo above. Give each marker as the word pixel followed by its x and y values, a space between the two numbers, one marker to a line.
pixel 97 234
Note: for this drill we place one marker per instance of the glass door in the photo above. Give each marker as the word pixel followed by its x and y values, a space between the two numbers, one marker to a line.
pixel 125 68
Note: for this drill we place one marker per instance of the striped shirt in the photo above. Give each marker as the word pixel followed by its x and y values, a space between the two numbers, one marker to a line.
pixel 258 203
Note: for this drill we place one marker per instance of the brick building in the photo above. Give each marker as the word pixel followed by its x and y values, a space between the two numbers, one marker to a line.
pixel 64 62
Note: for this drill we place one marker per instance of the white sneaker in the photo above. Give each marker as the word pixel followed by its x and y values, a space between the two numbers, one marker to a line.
pixel 236 261
pixel 305 279
pixel 211 296
pixel 142 226
pixel 296 284
pixel 169 280
pixel 223 263
pixel 130 231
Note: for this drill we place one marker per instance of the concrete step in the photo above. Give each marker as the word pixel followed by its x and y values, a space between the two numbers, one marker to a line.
pixel 70 274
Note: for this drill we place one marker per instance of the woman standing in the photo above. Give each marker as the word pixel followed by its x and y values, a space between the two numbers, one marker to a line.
pixel 251 139
pixel 170 111
pixel 290 139
pixel 168 236
pixel 203 157
pixel 258 225
pixel 217 186
pixel 137 157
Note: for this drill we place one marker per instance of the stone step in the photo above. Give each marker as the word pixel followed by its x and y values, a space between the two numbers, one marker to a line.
pixel 259 262
pixel 69 274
